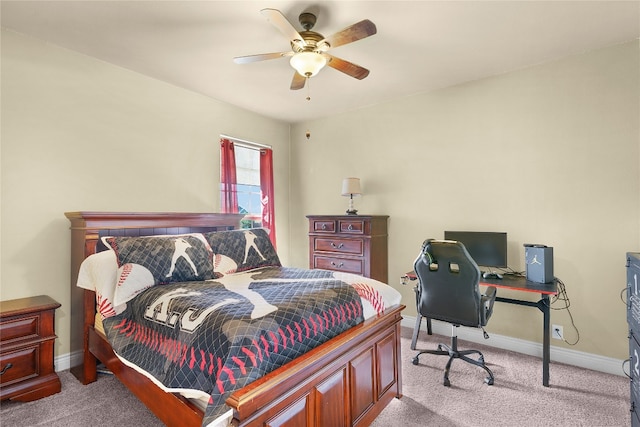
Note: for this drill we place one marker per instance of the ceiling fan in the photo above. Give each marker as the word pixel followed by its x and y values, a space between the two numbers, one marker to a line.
pixel 309 49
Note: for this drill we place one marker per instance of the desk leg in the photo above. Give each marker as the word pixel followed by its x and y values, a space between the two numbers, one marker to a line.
pixel 416 331
pixel 544 305
pixel 546 338
pixel 416 328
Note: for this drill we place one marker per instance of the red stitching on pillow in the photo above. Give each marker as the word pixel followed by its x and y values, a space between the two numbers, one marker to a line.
pixel 105 307
pixel 126 270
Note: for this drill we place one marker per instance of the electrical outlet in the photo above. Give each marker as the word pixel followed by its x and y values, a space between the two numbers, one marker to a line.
pixel 557 332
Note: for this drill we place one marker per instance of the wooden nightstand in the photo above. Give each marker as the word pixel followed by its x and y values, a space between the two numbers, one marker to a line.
pixel 27 336
pixel 350 243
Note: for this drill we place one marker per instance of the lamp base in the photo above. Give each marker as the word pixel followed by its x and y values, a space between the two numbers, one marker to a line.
pixel 351 210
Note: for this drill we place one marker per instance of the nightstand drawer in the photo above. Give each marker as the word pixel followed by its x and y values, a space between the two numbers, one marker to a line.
pixel 24 365
pixel 343 246
pixel 339 264
pixel 27 334
pixel 19 328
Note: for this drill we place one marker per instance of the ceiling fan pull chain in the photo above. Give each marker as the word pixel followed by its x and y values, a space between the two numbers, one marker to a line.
pixel 308 88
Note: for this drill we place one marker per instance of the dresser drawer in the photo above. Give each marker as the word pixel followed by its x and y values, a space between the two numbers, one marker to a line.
pixel 323 226
pixel 355 226
pixel 339 264
pixel 19 328
pixel 338 245
pixel 24 365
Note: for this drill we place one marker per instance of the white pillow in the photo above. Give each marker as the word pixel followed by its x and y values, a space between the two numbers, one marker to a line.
pixel 132 279
pixel 99 273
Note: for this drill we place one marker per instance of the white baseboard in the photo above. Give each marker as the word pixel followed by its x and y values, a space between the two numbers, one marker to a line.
pixel 595 362
pixel 581 359
pixel 66 361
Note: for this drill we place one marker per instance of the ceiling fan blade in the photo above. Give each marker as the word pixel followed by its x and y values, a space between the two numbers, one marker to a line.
pixel 260 57
pixel 298 81
pixel 355 32
pixel 347 67
pixel 281 23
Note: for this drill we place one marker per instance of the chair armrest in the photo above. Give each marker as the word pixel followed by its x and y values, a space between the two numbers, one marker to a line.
pixel 486 302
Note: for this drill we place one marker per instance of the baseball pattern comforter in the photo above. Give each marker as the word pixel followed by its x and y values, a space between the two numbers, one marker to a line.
pixel 220 335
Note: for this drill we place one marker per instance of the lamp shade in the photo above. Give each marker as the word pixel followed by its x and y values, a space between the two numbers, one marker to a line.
pixel 351 186
pixel 308 64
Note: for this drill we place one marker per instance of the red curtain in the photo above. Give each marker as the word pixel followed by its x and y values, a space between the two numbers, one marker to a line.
pixel 228 183
pixel 266 188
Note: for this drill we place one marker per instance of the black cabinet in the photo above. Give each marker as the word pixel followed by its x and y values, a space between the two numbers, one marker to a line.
pixel 633 319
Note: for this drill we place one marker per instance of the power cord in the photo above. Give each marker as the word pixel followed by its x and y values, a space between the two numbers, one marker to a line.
pixel 563 298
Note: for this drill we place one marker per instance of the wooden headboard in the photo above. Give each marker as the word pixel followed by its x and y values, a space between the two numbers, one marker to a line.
pixel 87 227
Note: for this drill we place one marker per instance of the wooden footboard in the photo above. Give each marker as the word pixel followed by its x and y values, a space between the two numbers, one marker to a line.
pixel 346 381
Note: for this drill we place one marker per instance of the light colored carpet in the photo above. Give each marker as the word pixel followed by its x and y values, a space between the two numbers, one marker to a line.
pixel 103 403
pixel 576 397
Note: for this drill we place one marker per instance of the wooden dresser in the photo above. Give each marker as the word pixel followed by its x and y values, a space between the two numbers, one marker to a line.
pixel 350 243
pixel 27 336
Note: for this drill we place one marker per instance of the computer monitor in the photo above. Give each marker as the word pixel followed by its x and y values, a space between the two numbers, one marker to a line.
pixel 488 249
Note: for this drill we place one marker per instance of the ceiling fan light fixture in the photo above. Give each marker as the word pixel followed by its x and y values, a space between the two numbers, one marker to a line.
pixel 308 64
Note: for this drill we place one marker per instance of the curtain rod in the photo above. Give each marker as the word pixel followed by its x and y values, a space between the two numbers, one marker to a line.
pixel 249 144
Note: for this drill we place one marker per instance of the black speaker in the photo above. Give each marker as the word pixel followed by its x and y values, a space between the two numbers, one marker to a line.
pixel 539 263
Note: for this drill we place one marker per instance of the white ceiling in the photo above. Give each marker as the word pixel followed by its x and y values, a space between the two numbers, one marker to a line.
pixel 420 45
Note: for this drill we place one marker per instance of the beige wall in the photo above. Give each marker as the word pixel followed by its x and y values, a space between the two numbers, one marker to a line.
pixel 549 154
pixel 80 134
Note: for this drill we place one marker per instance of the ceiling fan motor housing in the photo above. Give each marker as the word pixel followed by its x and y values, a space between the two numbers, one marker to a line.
pixel 312 39
pixel 307 20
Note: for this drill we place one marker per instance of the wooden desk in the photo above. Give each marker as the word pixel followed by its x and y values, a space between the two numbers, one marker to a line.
pixel 515 283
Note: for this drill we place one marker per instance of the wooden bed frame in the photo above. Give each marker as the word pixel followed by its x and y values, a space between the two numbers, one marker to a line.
pixel 346 381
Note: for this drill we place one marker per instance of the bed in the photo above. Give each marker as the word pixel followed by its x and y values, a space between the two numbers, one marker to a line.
pixel 347 380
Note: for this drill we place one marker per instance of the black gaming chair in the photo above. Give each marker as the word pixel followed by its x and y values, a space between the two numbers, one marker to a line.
pixel 448 291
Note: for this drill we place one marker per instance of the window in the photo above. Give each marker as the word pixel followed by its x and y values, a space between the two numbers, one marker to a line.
pixel 246 183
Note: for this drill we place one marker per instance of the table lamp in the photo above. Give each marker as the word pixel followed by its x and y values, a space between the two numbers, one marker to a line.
pixel 351 187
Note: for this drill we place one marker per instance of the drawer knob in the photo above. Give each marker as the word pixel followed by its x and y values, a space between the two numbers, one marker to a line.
pixel 337 265
pixel 350 227
pixel 338 246
pixel 7 366
pixel 324 226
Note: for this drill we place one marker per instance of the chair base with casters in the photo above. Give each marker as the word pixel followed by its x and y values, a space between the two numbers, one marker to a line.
pixel 453 353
